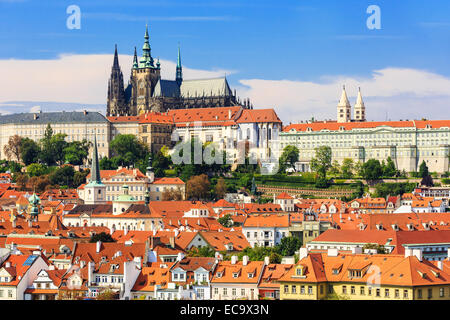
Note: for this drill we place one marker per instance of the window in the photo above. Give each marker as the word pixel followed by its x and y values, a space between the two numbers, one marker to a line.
pixel 386 293
pixel 302 289
pixel 294 289
pixel 362 292
pixel 233 292
pixel 352 290
pixel 330 288
pixel 310 290
pixel 216 291
pixel 430 293
pixel 243 291
pixel 441 292
pixel 397 293
pixel 10 294
pixel 419 293
pixel 224 291
pixel 344 289
pixel 377 292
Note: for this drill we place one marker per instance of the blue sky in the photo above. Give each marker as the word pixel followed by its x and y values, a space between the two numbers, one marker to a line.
pixel 300 41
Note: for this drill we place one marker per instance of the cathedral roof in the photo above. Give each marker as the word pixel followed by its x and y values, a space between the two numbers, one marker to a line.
pixel 207 87
pixel 166 88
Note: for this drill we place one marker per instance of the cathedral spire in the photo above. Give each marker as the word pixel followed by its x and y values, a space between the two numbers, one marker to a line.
pixel 95 168
pixel 116 59
pixel 146 50
pixel 179 73
pixel 135 59
pixel 344 100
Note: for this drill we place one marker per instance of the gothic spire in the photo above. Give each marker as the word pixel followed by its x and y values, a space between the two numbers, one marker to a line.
pixel 116 59
pixel 179 74
pixel 146 51
pixel 95 169
pixel 135 59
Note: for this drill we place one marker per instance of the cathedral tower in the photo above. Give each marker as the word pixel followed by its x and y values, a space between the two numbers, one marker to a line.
pixel 144 76
pixel 95 190
pixel 344 108
pixel 116 103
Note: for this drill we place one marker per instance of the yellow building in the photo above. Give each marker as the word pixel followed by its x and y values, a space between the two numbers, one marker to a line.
pixel 330 276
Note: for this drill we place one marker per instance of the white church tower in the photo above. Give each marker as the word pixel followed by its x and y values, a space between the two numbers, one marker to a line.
pixel 360 109
pixel 344 108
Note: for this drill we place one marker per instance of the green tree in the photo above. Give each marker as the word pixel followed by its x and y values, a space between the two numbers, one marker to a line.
pixel 379 247
pixel 37 169
pixel 29 151
pixel 289 245
pixel 160 163
pixel 52 147
pixel 372 170
pixel 106 164
pixel 204 251
pixel 12 148
pixel 76 152
pixel 347 168
pixel 288 158
pixel 321 163
pixel 389 170
pixel 226 221
pixel 128 148
pixel 335 168
pixel 423 170
pixel 80 177
pixel 63 176
pixel 102 236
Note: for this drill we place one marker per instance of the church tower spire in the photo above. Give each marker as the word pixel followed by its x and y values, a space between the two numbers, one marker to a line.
pixel 116 103
pixel 146 50
pixel 344 108
pixel 95 168
pixel 360 108
pixel 179 74
pixel 135 59
pixel 95 190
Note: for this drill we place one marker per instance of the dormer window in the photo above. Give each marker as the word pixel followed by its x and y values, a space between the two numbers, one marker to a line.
pixel 235 274
pixel 219 275
pixel 250 275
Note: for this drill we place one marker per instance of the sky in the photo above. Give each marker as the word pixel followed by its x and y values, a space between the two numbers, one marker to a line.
pixel 291 55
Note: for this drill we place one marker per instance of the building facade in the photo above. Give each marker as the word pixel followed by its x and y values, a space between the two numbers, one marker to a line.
pixel 76 125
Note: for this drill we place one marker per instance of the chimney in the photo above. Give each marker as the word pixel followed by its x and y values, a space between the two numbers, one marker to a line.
pixel 332 252
pixel 91 267
pixel 229 113
pixel 414 252
pixel 172 242
pixel 244 260
pixel 30 223
pixel 356 250
pixel 180 256
pixel 234 259
pixel 8 264
pixel 440 265
pixel 98 246
pixel 266 261
pixel 125 231
pixel 303 253
pixel 176 232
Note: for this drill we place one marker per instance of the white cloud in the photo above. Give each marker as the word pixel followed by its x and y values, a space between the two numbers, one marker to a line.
pixel 74 78
pixel 391 93
pixel 35 109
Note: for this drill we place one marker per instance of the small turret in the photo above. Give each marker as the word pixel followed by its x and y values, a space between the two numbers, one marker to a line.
pixel 344 108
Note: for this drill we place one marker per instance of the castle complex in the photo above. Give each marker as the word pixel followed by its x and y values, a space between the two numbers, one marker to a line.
pixel 146 91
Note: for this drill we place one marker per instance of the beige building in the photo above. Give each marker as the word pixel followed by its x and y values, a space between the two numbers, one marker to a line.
pixel 76 125
pixel 408 142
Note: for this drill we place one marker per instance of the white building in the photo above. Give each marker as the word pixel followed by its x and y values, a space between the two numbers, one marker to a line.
pixel 266 230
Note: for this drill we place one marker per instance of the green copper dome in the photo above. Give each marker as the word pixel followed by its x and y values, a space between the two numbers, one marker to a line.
pixel 125 197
